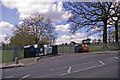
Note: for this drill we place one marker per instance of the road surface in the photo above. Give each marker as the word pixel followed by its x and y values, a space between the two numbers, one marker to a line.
pixel 69 66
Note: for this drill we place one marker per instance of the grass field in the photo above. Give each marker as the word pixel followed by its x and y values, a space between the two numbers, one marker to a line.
pixel 8 55
pixel 99 48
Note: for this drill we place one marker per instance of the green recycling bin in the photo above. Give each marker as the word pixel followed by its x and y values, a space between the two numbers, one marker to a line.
pixel 54 49
pixel 78 48
pixel 27 51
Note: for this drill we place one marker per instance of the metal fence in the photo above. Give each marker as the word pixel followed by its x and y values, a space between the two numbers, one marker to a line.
pixel 8 54
pixel 66 49
pixel 92 47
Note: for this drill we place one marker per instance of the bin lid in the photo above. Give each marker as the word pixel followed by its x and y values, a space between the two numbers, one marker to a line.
pixel 35 45
pixel 27 46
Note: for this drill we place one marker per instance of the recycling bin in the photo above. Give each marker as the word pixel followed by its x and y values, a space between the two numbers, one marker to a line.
pixel 85 48
pixel 54 49
pixel 47 49
pixel 39 49
pixel 27 51
pixel 78 48
pixel 33 54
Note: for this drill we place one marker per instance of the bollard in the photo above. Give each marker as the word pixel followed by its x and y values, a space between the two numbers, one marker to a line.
pixel 16 60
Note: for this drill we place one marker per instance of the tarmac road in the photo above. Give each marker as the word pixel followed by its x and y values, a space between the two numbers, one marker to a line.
pixel 69 66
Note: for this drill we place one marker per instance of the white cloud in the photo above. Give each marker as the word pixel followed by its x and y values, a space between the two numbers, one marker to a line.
pixel 26 7
pixel 5 25
pixel 5 30
pixel 77 37
pixel 2 39
pixel 62 27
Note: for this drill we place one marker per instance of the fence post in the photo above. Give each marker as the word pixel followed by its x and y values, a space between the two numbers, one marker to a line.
pixel 16 52
pixel 65 49
pixel 16 60
pixel 68 48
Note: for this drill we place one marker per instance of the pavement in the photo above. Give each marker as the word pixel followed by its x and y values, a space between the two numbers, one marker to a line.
pixel 82 65
pixel 30 61
pixel 21 63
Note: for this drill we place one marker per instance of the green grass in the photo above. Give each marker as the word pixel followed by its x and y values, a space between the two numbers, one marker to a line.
pixel 21 54
pixel 99 48
pixel 95 48
pixel 8 56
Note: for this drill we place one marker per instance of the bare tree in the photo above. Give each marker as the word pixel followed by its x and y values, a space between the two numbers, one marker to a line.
pixel 110 33
pixel 41 27
pixel 89 15
pixel 115 17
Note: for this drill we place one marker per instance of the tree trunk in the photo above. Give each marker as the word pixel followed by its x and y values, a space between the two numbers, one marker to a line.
pixel 116 32
pixel 36 40
pixel 105 35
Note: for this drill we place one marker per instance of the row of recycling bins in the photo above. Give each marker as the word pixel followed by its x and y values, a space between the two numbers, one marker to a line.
pixel 40 50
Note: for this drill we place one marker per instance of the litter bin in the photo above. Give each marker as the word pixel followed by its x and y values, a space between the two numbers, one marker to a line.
pixel 54 49
pixel 85 48
pixel 78 48
pixel 27 51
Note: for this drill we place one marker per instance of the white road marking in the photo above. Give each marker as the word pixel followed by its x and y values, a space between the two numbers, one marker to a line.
pixel 101 62
pixel 9 77
pixel 80 70
pixel 69 69
pixel 72 66
pixel 25 76
pixel 116 57
pixel 112 58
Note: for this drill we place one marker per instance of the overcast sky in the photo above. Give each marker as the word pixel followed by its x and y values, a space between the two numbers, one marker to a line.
pixel 14 12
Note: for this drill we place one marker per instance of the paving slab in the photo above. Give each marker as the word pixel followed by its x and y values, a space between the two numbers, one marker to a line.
pixel 21 63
